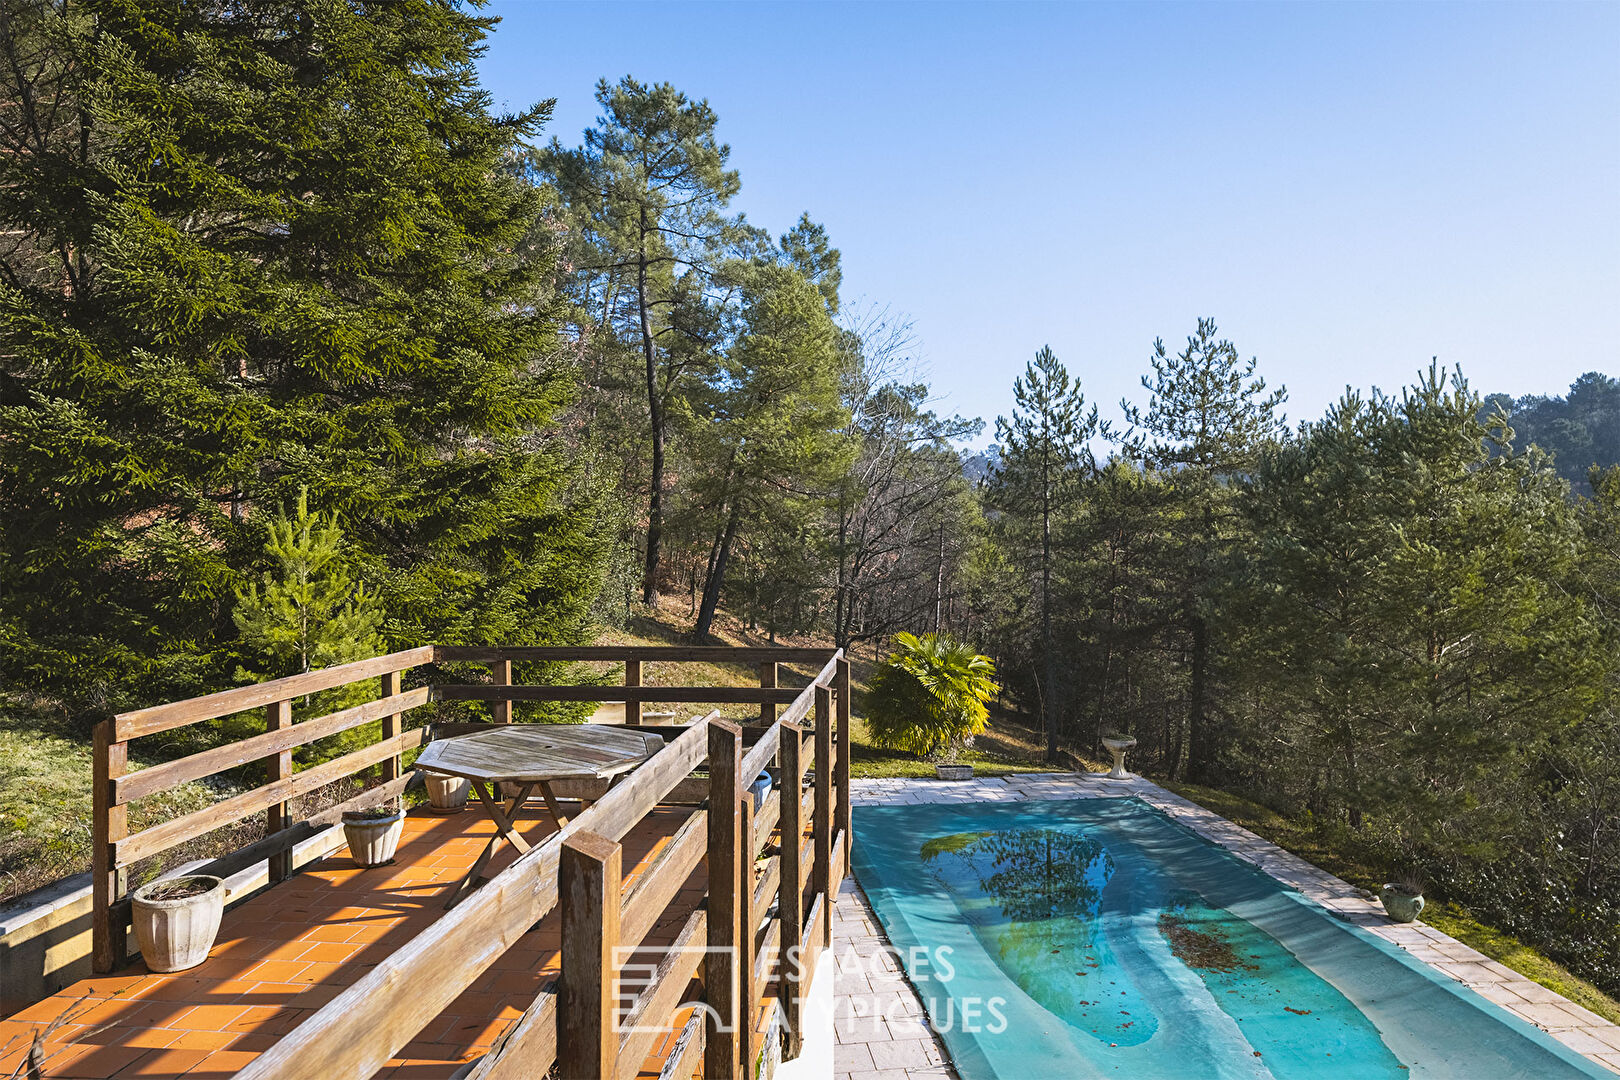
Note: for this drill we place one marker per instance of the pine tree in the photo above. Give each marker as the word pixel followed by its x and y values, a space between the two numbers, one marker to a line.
pixel 1207 418
pixel 1045 455
pixel 309 612
pixel 275 247
pixel 642 206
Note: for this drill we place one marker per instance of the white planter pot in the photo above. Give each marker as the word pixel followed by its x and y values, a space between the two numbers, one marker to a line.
pixel 954 772
pixel 1401 906
pixel 446 794
pixel 1117 745
pixel 372 840
pixel 176 934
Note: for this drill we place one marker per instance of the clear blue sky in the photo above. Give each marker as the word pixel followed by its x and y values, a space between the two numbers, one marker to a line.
pixel 1349 189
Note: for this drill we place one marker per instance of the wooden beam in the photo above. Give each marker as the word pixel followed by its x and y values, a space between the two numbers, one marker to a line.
pixel 632 677
pixel 759 755
pixel 683 1061
pixel 131 725
pixel 709 695
pixel 590 875
pixel 790 902
pixel 747 920
pixel 529 1046
pixel 767 680
pixel 846 746
pixel 177 830
pixel 663 994
pixel 358 1031
pixel 109 824
pixel 278 767
pixel 822 820
pixel 657 884
pixel 723 968
pixel 169 774
pixel 799 711
pixel 500 709
pixel 393 724
pixel 478 654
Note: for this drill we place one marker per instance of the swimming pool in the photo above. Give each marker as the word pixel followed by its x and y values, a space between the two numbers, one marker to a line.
pixel 1098 938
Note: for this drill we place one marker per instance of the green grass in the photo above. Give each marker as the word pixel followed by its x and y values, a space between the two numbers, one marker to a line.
pixel 1316 847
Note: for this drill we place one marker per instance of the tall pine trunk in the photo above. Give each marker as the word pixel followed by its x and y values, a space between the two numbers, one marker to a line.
pixel 655 411
pixel 717 575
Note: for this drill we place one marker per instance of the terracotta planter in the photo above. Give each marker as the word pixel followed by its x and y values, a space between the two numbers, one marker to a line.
pixel 176 934
pixel 446 794
pixel 373 840
pixel 1400 905
pixel 954 772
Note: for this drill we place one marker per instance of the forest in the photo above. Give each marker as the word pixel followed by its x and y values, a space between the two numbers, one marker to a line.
pixel 306 352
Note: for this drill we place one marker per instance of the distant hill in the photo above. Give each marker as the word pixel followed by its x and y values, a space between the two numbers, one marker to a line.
pixel 1579 430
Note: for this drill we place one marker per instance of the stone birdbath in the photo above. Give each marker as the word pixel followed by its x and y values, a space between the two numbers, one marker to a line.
pixel 1117 745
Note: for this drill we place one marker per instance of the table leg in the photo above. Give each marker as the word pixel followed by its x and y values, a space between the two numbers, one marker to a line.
pixel 505 829
pixel 551 805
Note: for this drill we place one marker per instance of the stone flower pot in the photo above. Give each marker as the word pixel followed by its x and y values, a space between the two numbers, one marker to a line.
pixel 1117 745
pixel 1401 903
pixel 176 920
pixel 373 835
pixel 446 794
pixel 953 772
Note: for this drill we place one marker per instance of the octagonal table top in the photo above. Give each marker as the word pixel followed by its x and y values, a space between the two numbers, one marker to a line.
pixel 540 752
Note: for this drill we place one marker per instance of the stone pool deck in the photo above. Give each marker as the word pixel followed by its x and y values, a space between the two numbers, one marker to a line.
pixel 883 1035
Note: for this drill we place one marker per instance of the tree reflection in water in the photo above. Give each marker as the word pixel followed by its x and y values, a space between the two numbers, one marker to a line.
pixel 1030 874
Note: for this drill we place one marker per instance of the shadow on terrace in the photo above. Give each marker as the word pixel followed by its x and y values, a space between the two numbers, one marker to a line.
pixel 603 950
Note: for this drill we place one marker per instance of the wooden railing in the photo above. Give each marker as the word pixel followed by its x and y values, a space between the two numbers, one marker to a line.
pixel 731 944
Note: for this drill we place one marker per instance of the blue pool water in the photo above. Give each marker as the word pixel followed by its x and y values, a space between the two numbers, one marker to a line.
pixel 1098 938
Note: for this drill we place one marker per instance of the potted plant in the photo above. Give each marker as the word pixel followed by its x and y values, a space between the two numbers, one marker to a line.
pixel 1403 899
pixel 176 920
pixel 373 833
pixel 446 794
pixel 931 697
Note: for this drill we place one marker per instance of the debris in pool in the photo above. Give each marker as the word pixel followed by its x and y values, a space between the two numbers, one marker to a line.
pixel 1200 950
pixel 1296 1012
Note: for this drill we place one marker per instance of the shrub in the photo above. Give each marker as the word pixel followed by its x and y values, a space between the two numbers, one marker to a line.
pixel 929 695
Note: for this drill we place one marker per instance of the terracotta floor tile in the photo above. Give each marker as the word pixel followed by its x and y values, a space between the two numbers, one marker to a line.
pixel 204 1040
pixel 98 1061
pixel 208 1017
pixel 220 1065
pixel 166 1063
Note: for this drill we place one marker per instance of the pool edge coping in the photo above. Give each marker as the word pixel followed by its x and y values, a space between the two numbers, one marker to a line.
pixel 1576 1028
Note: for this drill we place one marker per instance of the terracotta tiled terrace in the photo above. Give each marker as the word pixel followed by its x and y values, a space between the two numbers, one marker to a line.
pixel 286 952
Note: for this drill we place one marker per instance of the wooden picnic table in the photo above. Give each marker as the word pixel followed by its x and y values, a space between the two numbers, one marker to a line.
pixel 527 756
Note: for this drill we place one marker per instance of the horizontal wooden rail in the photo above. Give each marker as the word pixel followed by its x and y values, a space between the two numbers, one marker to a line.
pixel 707 695
pixel 137 785
pixel 478 654
pixel 358 1031
pixel 178 830
pixel 131 725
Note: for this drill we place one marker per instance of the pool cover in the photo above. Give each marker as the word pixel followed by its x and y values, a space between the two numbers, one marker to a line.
pixel 1098 938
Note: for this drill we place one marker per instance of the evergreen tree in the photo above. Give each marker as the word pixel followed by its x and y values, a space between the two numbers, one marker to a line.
pixel 1045 454
pixel 1207 418
pixel 309 612
pixel 273 248
pixel 642 202
pixel 769 421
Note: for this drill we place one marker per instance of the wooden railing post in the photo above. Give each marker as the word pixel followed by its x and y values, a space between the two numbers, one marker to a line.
pixel 767 681
pixel 277 716
pixel 110 759
pixel 822 820
pixel 790 901
pixel 632 677
pixel 846 746
pixel 501 711
pixel 722 975
pixel 588 891
pixel 392 725
pixel 748 921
